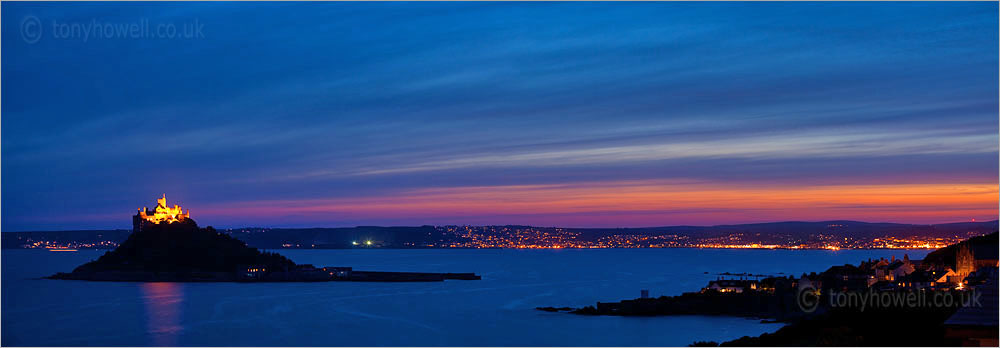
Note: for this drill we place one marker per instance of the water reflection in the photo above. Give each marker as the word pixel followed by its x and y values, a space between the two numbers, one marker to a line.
pixel 163 311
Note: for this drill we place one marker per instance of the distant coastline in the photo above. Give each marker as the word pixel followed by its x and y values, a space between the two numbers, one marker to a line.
pixel 832 235
pixel 500 248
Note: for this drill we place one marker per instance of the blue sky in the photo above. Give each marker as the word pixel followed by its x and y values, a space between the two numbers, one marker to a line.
pixel 341 114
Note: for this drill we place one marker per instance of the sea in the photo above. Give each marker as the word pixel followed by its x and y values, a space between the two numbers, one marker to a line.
pixel 498 310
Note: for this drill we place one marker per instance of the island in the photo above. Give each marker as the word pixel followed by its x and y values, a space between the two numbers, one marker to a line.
pixel 166 245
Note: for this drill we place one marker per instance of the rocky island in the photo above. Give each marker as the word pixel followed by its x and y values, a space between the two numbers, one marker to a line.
pixel 167 245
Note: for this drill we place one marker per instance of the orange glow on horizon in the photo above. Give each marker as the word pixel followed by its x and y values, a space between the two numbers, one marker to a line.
pixel 636 203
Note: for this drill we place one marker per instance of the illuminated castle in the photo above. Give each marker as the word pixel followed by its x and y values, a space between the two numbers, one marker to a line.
pixel 161 214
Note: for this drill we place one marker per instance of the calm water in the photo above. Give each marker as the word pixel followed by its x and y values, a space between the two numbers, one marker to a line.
pixel 495 311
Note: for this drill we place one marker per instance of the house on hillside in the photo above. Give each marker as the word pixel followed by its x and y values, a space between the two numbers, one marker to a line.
pixel 731 285
pixel 846 278
pixel 917 280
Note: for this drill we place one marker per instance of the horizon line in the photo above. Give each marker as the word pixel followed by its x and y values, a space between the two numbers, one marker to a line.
pixel 593 228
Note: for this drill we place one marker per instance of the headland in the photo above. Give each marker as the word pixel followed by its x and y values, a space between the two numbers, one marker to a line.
pixel 949 298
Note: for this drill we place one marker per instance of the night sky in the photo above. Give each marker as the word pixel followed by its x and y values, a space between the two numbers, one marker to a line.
pixel 550 114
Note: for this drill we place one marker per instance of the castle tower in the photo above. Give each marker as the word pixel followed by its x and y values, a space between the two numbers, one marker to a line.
pixel 138 220
pixel 160 214
pixel 965 261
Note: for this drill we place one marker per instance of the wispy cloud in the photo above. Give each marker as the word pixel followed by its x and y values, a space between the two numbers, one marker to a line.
pixel 277 102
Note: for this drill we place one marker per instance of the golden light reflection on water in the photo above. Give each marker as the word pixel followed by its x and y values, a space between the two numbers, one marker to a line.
pixel 163 311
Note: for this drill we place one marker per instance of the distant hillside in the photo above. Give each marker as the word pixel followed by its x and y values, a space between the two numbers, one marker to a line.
pixel 792 230
pixel 17 240
pixel 269 238
pixel 421 236
pixel 337 238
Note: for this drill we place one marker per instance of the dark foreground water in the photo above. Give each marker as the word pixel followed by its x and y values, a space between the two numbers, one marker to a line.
pixel 495 311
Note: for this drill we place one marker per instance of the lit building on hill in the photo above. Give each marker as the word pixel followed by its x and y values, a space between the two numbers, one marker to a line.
pixel 160 214
pixel 965 262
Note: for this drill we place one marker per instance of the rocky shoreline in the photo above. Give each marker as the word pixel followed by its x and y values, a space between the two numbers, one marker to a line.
pixel 772 307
